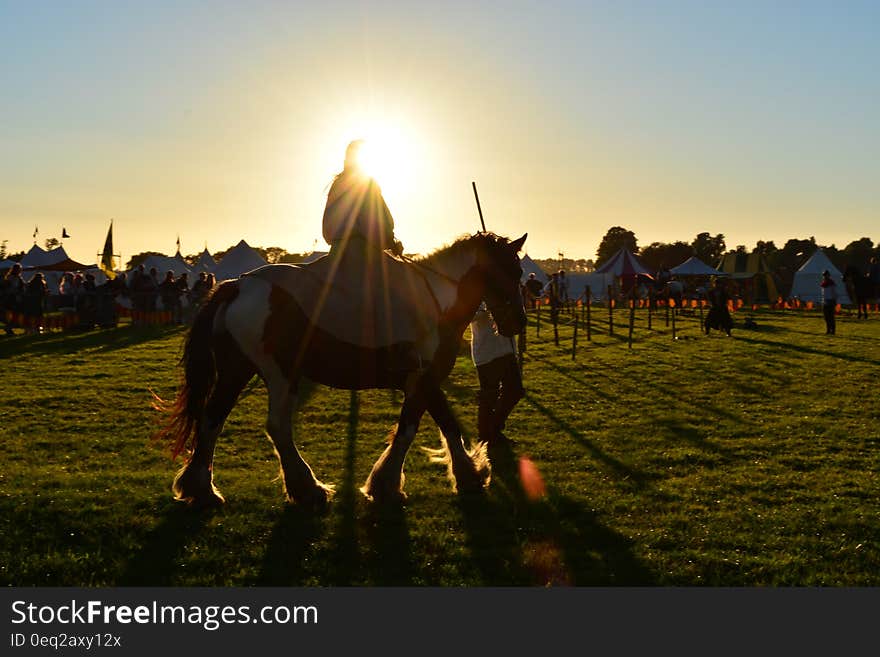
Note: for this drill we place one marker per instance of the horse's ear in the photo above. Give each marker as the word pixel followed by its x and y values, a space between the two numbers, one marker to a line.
pixel 518 244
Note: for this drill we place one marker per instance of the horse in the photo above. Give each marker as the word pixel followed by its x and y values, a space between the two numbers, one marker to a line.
pixel 248 327
pixel 859 288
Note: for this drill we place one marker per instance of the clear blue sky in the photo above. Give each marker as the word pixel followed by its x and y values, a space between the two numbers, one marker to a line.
pixel 226 120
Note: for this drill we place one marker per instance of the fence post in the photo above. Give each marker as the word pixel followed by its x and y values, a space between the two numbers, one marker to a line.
pixel 554 316
pixel 574 338
pixel 610 313
pixel 632 314
pixel 538 321
pixel 673 322
pixel 588 302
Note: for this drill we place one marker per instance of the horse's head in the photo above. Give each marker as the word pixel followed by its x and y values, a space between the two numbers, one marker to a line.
pixel 498 258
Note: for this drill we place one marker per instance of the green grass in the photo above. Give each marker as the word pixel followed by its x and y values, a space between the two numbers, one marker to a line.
pixel 749 460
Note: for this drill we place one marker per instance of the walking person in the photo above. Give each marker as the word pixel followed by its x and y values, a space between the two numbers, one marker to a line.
pixel 829 302
pixel 500 380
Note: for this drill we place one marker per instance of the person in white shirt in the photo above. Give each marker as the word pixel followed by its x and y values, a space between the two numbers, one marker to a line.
pixel 500 381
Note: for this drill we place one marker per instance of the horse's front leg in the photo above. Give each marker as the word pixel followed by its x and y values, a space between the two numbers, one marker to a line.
pixel 385 482
pixel 469 470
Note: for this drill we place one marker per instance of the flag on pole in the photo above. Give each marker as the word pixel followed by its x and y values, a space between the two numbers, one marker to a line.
pixel 178 245
pixel 36 230
pixel 106 263
pixel 64 234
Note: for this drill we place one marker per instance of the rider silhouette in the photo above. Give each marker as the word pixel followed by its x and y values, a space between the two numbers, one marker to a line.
pixel 356 212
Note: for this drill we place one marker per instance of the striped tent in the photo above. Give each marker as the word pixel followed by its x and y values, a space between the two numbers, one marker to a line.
pixel 623 263
pixel 751 272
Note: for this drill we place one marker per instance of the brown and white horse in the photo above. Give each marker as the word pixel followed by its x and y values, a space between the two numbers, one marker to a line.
pixel 251 327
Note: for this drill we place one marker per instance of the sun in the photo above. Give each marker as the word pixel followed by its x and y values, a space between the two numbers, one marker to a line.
pixel 390 153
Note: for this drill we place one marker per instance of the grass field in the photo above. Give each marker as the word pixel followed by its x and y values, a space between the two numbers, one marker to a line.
pixel 749 460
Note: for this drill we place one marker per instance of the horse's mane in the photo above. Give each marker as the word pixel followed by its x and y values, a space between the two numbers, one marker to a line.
pixel 461 243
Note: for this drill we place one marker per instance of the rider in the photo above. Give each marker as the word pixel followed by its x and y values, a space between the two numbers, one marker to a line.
pixel 356 213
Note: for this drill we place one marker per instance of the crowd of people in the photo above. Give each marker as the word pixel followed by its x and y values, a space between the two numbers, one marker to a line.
pixel 25 303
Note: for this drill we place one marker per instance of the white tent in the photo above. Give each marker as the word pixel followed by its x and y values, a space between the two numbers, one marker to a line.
pixel 693 266
pixel 240 259
pixel 598 284
pixel 164 264
pixel 205 263
pixel 37 257
pixel 529 266
pixel 806 280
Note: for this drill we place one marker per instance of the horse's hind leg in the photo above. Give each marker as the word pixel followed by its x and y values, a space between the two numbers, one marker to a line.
pixel 195 481
pixel 385 482
pixel 300 483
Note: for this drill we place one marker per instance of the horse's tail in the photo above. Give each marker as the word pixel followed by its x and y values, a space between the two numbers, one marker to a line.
pixel 199 375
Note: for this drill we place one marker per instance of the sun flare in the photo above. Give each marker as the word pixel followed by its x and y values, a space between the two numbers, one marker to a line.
pixel 391 152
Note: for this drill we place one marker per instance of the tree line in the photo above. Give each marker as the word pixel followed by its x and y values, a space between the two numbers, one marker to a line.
pixel 783 261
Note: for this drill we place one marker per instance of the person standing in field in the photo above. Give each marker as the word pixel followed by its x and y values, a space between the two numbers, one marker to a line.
pixel 501 385
pixel 829 302
pixel 719 313
pixel 533 290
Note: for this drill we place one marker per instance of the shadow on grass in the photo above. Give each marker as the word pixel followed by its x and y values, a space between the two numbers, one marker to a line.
pixel 388 546
pixel 619 467
pixel 292 537
pixel 345 555
pixel 68 342
pixel 156 563
pixel 550 540
pixel 801 349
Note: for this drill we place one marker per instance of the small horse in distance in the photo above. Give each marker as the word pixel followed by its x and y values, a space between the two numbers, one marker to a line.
pixel 248 327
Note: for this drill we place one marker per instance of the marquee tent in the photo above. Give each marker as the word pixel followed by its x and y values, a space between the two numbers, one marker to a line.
pixel 806 280
pixel 529 266
pixel 205 263
pixel 623 263
pixel 54 260
pixel 598 284
pixel 240 259
pixel 164 264
pixel 693 266
pixel 750 270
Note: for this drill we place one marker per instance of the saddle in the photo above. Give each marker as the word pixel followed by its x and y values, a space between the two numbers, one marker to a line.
pixel 365 298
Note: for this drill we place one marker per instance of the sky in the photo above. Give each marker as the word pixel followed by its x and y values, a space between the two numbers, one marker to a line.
pixel 219 121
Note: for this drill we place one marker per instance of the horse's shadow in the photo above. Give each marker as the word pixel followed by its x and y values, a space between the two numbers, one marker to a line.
pixel 156 562
pixel 522 538
pixel 285 557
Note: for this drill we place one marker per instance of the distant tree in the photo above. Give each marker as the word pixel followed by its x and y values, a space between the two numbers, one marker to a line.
pixel 140 257
pixel 3 249
pixel 858 253
pixel 615 239
pixel 272 254
pixel 709 249
pixel 739 250
pixel 765 248
pixel 293 258
pixel 52 243
pixel 660 254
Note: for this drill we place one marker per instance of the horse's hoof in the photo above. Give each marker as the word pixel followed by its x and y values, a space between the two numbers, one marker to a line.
pixel 393 497
pixel 315 499
pixel 204 502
